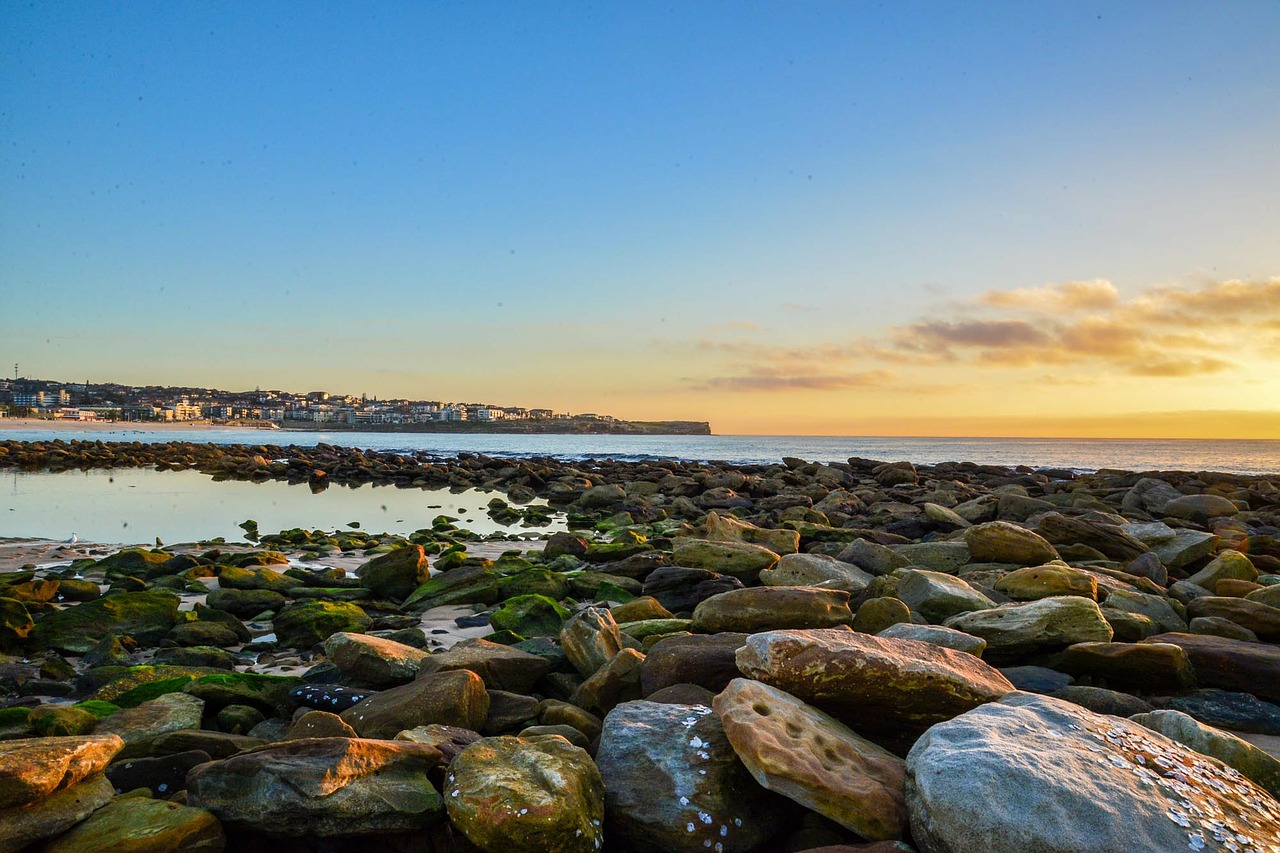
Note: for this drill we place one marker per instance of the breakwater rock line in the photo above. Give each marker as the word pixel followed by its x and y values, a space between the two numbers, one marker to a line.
pixel 800 656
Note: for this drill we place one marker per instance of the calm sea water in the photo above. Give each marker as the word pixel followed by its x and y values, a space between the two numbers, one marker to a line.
pixel 137 505
pixel 1089 454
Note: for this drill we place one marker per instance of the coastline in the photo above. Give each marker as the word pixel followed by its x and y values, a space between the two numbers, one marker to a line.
pixel 118 426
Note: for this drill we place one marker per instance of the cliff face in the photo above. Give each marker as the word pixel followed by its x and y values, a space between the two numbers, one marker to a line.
pixel 573 426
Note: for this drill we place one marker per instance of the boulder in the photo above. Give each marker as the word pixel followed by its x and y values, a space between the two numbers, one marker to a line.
pixel 1110 539
pixel 1262 768
pixel 615 682
pixel 723 528
pixel 1184 548
pixel 590 639
pixel 138 727
pixel 706 660
pixel 815 570
pixel 530 616
pixel 680 589
pixel 1200 507
pixel 763 608
pixel 937 596
pixel 456 698
pixel 947 638
pixel 322 787
pixel 142 825
pixel 1012 629
pixel 889 690
pixel 397 573
pixel 876 614
pixel 1031 583
pixel 373 660
pixel 939 556
pixel 508 793
pixel 163 775
pixel 740 560
pixel 1262 620
pixel 303 624
pixel 61 810
pixel 32 769
pixel 1033 773
pixel 1230 664
pixel 1137 667
pixel 673 783
pixel 500 667
pixel 245 603
pixel 812 758
pixel 1005 542
pixel 1227 565
pixel 314 724
pixel 144 616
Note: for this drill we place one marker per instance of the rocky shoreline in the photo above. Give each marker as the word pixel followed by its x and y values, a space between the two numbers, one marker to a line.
pixel 788 657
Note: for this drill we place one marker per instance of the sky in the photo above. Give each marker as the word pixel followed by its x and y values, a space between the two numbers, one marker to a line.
pixel 836 218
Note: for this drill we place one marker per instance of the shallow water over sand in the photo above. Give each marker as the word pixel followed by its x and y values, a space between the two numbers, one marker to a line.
pixel 138 505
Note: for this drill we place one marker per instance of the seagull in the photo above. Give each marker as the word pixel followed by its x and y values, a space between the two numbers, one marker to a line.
pixel 73 540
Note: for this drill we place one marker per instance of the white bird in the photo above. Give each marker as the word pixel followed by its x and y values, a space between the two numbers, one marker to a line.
pixel 73 540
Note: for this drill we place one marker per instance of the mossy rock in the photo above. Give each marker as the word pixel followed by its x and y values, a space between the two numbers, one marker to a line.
pixel 110 682
pixel 98 708
pixel 203 613
pixel 61 721
pixel 396 573
pixel 144 616
pixel 238 577
pixel 136 562
pixel 14 723
pixel 450 558
pixel 254 558
pixel 466 585
pixel 269 693
pixel 534 582
pixel 15 623
pixel 607 552
pixel 303 624
pixel 598 586
pixel 530 616
pixel 204 634
pixel 78 589
pixel 244 603
pixel 504 638
pixel 151 690
pixel 208 657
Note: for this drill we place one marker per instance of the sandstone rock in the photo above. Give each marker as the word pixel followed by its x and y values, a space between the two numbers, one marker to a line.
pixel 815 570
pixel 1228 564
pixel 396 573
pixel 1218 627
pixel 708 661
pixel 456 698
pixel 373 660
pixel 1154 607
pixel 947 638
pixel 1230 664
pixel 937 556
pixel 1033 773
pixel 31 769
pixel 1150 494
pixel 876 614
pixel 141 825
pixel 56 813
pixel 1110 539
pixel 322 787
pixel 1200 507
pixel 164 775
pixel 812 758
pixel 764 608
pixel 1005 542
pixel 1047 623
pixel 874 558
pixel 590 639
pixel 303 624
pixel 508 793
pixel 450 740
pixel 740 560
pixel 139 727
pixel 673 783
pixel 947 518
pixel 1138 667
pixel 1261 768
pixel 144 616
pixel 314 724
pixel 937 596
pixel 500 667
pixel 723 528
pixel 1185 547
pixel 680 589
pixel 1240 712
pixel 1031 583
pixel 890 690
pixel 1100 700
pixel 1253 615
pixel 617 681
pixel 244 603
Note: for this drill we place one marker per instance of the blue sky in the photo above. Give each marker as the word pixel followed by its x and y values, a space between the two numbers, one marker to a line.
pixel 588 206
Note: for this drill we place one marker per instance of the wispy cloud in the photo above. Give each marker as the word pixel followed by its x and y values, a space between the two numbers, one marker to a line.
pixel 1161 332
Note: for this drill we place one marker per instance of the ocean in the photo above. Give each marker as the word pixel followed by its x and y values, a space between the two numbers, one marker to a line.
pixel 138 505
pixel 1261 456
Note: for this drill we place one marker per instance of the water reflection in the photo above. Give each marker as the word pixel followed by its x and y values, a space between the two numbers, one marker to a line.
pixel 139 505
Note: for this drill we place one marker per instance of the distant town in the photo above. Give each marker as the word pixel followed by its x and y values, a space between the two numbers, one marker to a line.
pixel 109 401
